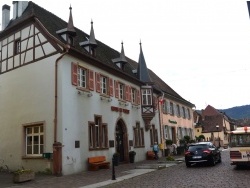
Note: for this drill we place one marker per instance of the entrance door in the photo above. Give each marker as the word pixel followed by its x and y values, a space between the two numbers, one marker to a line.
pixel 173 135
pixel 120 141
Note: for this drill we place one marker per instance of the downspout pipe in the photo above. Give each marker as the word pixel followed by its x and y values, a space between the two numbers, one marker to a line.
pixel 67 47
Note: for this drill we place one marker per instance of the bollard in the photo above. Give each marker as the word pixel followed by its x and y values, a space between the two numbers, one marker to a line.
pixel 113 169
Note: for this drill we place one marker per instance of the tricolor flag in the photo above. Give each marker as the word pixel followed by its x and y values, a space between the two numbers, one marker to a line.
pixel 162 98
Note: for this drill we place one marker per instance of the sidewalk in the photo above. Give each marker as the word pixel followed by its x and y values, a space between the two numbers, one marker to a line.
pixel 91 179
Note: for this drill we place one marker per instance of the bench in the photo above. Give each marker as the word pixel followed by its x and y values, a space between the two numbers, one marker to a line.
pixel 150 155
pixel 97 162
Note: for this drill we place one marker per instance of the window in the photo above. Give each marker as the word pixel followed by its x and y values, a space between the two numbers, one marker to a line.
pixel 82 77
pixel 17 46
pixel 133 95
pixel 153 135
pixel 188 114
pixel 183 112
pixel 138 136
pixel 178 110
pixel 104 85
pixel 166 132
pixel 98 134
pixel 146 96
pixel 171 107
pixel 121 88
pixel 34 140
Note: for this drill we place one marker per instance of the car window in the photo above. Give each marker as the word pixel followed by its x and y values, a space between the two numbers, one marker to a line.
pixel 197 147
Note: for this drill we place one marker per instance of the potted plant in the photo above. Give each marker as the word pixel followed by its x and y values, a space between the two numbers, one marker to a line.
pixel 22 175
pixel 168 142
pixel 132 156
pixel 116 158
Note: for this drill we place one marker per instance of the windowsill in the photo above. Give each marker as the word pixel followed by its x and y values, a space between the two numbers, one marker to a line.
pixel 137 106
pixel 32 157
pixel 105 97
pixel 83 91
pixel 123 102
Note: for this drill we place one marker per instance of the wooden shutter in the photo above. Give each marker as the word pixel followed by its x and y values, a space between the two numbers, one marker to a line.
pixel 129 93
pixel 97 82
pixel 91 79
pixel 116 89
pixel 111 88
pixel 74 74
pixel 138 101
pixel 126 92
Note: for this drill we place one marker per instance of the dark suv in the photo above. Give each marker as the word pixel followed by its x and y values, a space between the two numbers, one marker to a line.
pixel 202 152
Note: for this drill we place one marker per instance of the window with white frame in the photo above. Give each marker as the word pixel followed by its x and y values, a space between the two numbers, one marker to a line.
pixel 133 95
pixel 146 96
pixel 82 77
pixel 104 84
pixel 166 132
pixel 34 140
pixel 121 88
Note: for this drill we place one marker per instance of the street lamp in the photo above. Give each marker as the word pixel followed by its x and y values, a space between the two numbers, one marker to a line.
pixel 217 127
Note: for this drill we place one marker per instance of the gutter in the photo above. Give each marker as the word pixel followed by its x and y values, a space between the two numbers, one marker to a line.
pixel 67 47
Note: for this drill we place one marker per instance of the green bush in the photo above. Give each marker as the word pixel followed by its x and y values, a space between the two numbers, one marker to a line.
pixel 170 158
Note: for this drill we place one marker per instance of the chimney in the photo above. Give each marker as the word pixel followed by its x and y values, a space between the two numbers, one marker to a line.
pixel 18 8
pixel 5 16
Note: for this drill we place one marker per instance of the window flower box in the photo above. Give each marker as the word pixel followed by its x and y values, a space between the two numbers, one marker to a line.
pixel 23 175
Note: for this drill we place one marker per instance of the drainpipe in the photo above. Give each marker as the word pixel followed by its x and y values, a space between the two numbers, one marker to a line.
pixel 67 47
pixel 57 146
pixel 161 123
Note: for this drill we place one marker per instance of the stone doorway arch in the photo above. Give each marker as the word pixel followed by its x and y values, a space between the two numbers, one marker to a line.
pixel 121 140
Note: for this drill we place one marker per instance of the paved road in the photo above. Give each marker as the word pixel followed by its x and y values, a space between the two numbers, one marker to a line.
pixel 222 175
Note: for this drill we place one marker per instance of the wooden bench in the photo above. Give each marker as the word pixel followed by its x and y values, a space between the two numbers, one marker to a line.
pixel 150 155
pixel 98 162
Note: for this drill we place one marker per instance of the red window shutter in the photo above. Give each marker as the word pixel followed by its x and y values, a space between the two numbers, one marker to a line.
pixel 91 80
pixel 129 93
pixel 116 89
pixel 111 88
pixel 138 97
pixel 97 81
pixel 74 74
pixel 126 92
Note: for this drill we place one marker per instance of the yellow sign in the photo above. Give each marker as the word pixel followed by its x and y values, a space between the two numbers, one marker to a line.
pixel 161 146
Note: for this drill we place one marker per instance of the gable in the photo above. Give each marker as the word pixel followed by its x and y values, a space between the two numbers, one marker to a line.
pixel 24 46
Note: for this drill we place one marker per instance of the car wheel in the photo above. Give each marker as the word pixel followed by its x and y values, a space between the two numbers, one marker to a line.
pixel 219 160
pixel 212 161
pixel 188 164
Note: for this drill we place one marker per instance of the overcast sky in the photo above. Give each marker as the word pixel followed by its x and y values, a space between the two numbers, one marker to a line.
pixel 201 49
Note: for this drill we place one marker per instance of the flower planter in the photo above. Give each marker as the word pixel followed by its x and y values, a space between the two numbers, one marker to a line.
pixel 18 178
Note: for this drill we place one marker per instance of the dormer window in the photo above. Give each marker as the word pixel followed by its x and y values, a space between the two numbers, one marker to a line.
pixel 70 40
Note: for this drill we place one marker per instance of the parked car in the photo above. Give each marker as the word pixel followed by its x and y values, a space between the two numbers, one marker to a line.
pixel 202 152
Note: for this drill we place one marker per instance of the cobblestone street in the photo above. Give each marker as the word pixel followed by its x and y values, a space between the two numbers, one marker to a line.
pixel 221 175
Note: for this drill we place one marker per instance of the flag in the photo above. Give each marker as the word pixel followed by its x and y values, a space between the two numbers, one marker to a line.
pixel 162 98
